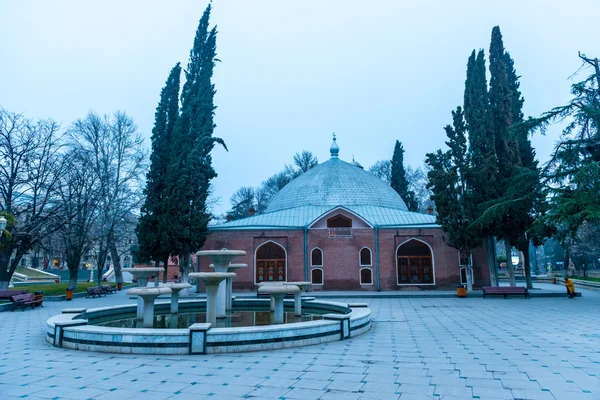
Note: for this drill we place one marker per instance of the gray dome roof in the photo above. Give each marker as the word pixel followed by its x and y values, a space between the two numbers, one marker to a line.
pixel 336 183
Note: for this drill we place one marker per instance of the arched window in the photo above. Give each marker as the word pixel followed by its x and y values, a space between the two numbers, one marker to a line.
pixel 316 257
pixel 414 263
pixel 365 257
pixel 316 276
pixel 339 221
pixel 270 263
pixel 366 276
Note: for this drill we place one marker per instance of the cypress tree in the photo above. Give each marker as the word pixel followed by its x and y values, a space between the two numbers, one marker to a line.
pixel 501 108
pixel 483 175
pixel 399 182
pixel 452 194
pixel 521 199
pixel 152 236
pixel 190 170
pixel 532 205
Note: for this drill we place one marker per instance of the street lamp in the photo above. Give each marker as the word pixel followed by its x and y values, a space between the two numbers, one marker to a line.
pixel 2 225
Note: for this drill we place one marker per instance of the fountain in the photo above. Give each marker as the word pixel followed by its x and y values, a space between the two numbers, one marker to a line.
pixel 212 282
pixel 176 288
pixel 221 260
pixel 114 329
pixel 142 275
pixel 148 295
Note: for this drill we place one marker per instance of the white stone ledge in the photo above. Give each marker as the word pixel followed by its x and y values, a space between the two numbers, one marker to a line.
pixel 269 337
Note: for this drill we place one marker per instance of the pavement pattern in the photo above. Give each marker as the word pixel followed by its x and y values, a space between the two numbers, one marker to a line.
pixel 418 348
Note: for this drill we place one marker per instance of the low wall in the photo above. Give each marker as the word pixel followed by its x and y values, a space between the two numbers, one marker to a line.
pixel 71 330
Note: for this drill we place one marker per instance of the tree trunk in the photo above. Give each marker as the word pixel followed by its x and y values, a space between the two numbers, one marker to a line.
pixel 73 278
pixel 114 254
pixel 533 257
pixel 7 269
pixel 165 274
pixel 527 267
pixel 566 261
pixel 4 272
pixel 509 265
pixel 157 275
pixel 491 256
pixel 184 267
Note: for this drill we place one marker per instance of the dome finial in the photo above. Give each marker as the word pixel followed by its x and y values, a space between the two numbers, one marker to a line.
pixel 334 149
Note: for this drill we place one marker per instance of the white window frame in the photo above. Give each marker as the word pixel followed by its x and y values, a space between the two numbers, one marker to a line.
pixel 432 264
pixel 322 277
pixel 286 258
pixel 370 264
pixel 360 276
pixel 322 257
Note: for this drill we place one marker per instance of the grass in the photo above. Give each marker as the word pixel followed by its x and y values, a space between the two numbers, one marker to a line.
pixel 56 289
pixel 31 273
pixel 588 279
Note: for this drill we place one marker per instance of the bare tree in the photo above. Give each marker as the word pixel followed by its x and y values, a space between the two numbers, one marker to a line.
pixel 113 147
pixel 305 160
pixel 417 182
pixel 383 170
pixel 30 165
pixel 79 197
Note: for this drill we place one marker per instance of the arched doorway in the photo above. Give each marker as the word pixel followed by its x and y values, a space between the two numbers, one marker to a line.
pixel 270 263
pixel 414 263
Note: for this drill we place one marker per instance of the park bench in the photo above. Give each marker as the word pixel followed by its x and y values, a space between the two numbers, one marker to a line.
pixel 109 289
pixel 94 291
pixel 505 291
pixel 24 300
pixel 5 294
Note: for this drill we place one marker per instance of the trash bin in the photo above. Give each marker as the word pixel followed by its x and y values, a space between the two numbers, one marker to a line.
pixel 461 291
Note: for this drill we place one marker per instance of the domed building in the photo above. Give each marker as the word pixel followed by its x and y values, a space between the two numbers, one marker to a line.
pixel 341 228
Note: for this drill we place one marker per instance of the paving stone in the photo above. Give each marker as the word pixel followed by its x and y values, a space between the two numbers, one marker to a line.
pixel 416 347
pixel 345 386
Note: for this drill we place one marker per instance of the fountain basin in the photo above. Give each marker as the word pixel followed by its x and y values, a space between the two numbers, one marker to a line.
pixel 71 330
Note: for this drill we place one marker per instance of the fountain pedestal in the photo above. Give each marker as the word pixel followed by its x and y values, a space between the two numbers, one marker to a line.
pixel 298 295
pixel 176 288
pixel 142 275
pixel 148 295
pixel 229 284
pixel 277 293
pixel 212 282
pixel 221 260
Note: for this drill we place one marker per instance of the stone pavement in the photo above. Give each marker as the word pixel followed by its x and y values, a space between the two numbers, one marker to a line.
pixel 421 348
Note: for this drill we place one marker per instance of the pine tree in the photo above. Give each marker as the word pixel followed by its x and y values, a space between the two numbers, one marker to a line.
pixel 151 232
pixel 574 168
pixel 483 174
pixel 399 182
pixel 190 170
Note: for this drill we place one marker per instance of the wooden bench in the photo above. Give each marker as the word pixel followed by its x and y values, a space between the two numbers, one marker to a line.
pixel 24 300
pixel 5 294
pixel 94 291
pixel 505 291
pixel 109 289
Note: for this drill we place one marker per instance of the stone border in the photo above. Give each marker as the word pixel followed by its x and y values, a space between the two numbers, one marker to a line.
pixel 71 330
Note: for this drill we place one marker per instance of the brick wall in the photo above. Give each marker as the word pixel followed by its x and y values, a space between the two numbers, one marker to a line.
pixel 341 257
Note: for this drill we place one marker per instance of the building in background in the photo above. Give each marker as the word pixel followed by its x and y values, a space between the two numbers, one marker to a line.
pixel 342 228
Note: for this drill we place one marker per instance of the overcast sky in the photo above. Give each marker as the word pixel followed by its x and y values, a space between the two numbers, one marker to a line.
pixel 293 71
